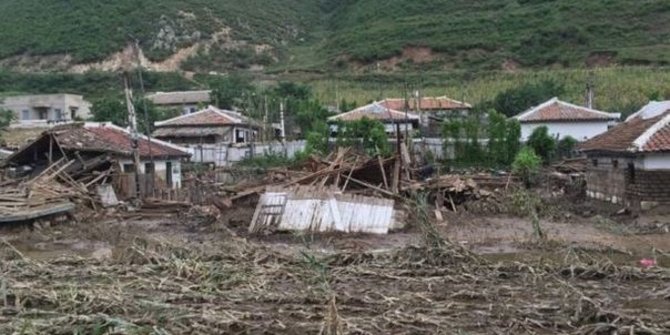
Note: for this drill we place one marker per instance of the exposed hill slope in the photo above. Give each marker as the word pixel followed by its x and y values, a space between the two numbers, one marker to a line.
pixel 318 34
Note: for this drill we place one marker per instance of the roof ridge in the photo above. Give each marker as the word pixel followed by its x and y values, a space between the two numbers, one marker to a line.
pixel 588 109
pixel 165 122
pixel 126 131
pixel 534 109
pixel 642 140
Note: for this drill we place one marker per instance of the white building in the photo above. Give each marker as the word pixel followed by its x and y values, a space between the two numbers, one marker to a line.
pixel 47 109
pixel 565 119
pixel 187 102
pixel 376 111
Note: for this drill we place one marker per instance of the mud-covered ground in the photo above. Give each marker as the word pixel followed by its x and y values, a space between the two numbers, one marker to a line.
pixel 481 275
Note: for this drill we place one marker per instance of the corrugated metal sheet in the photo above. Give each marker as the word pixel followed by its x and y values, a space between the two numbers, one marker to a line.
pixel 308 209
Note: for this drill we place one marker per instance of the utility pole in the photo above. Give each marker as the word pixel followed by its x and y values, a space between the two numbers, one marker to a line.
pixel 589 90
pixel 134 136
pixel 282 124
pixel 265 118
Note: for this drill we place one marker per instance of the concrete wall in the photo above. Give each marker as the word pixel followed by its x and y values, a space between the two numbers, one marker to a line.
pixel 580 131
pixel 160 168
pixel 224 154
pixel 54 107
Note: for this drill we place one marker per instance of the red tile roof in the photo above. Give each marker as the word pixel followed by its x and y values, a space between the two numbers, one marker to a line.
pixel 556 110
pixel 659 141
pixel 211 116
pixel 374 111
pixel 635 135
pixel 426 104
pixel 106 137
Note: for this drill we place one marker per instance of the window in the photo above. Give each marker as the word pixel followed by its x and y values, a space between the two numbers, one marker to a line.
pixel 58 114
pixel 128 168
pixel 595 162
pixel 73 113
pixel 240 136
pixel 615 163
pixel 25 114
pixel 192 110
pixel 149 168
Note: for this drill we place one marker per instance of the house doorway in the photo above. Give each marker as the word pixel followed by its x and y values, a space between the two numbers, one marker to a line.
pixel 168 174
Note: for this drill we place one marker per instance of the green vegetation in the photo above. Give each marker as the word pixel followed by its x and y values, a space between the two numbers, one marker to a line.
pixel 465 136
pixel 617 89
pixel 566 147
pixel 527 165
pixel 115 110
pixel 90 30
pixel 543 144
pixel 6 117
pixel 490 33
pixel 323 35
pixel 369 135
pixel 517 99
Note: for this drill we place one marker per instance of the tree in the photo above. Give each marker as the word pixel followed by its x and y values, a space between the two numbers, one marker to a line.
pixel 309 115
pixel 526 165
pixel 115 111
pixel 516 100
pixel 317 138
pixel 566 147
pixel 543 144
pixel 369 134
pixel 6 117
pixel 229 92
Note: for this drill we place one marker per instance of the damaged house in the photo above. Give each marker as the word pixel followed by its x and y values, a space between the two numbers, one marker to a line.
pixel 630 164
pixel 391 118
pixel 99 147
pixel 208 133
pixel 431 110
pixel 564 119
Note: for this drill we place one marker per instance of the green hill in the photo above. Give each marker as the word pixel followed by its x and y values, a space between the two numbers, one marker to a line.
pixel 340 34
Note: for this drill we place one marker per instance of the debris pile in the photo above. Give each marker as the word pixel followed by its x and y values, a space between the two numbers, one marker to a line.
pixel 54 191
pixel 235 286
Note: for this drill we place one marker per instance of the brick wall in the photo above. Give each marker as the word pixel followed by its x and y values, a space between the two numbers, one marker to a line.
pixel 606 181
pixel 652 186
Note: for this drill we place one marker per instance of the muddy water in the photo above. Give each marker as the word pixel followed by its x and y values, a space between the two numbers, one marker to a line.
pixel 44 251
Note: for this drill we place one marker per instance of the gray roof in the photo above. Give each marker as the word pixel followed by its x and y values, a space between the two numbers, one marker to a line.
pixel 182 97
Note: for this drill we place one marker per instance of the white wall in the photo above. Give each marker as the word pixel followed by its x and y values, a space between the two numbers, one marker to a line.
pixel 580 131
pixel 224 154
pixel 654 162
pixel 160 168
pixel 50 103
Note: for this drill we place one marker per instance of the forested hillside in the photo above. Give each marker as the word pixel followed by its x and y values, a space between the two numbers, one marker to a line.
pixel 345 34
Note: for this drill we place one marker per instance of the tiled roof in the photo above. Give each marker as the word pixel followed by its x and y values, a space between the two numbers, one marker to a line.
pixel 556 110
pixel 183 97
pixel 211 116
pixel 639 134
pixel 425 104
pixel 374 111
pixel 15 138
pixel 171 132
pixel 105 137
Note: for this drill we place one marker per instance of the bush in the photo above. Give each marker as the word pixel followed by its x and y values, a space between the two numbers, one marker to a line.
pixel 566 147
pixel 6 117
pixel 527 165
pixel 543 144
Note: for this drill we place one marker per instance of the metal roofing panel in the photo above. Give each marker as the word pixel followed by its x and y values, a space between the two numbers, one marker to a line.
pixel 323 211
